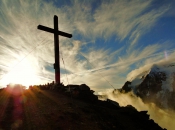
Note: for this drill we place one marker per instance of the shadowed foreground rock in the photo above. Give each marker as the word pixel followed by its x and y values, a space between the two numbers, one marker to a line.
pixel 65 109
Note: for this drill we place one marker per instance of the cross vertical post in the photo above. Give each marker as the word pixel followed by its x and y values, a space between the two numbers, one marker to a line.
pixel 56 33
pixel 56 49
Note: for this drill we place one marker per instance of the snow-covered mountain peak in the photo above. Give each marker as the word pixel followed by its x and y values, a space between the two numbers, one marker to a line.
pixel 164 72
pixel 166 67
pixel 153 83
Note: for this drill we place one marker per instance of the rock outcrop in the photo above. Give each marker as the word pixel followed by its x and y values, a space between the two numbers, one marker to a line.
pixel 62 109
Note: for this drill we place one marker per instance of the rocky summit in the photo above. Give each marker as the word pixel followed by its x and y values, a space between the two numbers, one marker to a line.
pixel 154 85
pixel 72 107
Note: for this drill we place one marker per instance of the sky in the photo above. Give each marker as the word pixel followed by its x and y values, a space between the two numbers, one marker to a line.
pixel 110 40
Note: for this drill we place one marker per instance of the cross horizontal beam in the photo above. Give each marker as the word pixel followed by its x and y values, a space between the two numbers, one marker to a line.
pixel 47 29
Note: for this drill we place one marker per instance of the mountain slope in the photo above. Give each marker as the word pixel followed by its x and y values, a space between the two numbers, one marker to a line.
pixel 155 84
pixel 53 109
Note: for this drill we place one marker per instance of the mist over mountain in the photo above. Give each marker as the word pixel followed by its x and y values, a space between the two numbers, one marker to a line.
pixel 154 84
pixel 150 88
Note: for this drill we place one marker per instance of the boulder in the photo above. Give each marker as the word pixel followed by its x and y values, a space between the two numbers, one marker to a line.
pixel 84 87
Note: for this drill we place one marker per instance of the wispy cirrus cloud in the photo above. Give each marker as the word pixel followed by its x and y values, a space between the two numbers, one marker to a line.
pixel 21 43
pixel 122 19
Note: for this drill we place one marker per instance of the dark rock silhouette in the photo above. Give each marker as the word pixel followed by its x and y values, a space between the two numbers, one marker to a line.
pixel 126 87
pixel 70 107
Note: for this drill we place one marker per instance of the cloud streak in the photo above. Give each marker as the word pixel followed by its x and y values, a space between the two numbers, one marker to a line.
pixel 21 44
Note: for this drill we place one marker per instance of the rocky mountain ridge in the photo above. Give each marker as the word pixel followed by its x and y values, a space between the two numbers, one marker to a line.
pixel 154 85
pixel 40 108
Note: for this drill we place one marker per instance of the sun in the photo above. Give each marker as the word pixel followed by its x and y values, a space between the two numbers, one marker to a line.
pixel 23 74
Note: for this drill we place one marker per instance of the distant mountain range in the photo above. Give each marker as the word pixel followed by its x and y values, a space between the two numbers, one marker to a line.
pixel 155 84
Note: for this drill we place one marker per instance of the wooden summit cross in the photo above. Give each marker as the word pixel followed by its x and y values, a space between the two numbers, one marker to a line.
pixel 56 33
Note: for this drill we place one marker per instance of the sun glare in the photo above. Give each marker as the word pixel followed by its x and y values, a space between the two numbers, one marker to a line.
pixel 23 74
